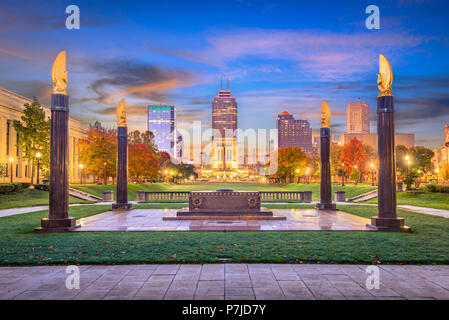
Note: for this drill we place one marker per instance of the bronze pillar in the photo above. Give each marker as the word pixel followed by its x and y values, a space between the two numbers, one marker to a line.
pixel 387 219
pixel 58 219
pixel 122 170
pixel 326 183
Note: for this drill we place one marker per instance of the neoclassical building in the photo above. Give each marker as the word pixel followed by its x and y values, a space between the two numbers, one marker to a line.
pixel 11 108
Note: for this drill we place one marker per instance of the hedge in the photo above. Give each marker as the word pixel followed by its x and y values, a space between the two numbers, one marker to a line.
pixel 9 188
pixel 43 187
pixel 441 188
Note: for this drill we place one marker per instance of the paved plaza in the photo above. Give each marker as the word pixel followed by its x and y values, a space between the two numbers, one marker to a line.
pixel 226 281
pixel 151 220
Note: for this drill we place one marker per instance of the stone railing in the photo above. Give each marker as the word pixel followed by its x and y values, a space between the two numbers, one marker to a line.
pixel 142 196
pixel 304 196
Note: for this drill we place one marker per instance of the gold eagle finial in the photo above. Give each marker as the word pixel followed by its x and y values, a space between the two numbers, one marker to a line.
pixel 59 74
pixel 325 115
pixel 384 77
pixel 121 114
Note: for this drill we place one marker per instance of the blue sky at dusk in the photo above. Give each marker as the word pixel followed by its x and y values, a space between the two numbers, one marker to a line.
pixel 280 55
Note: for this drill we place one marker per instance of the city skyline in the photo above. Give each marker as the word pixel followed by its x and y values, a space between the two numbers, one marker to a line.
pixel 278 55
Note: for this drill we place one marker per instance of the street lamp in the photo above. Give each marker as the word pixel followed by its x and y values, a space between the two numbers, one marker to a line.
pixel 436 173
pixel 307 174
pixel 81 166
pixel 372 173
pixel 38 156
pixel 104 173
pixel 297 174
pixel 11 160
pixel 407 158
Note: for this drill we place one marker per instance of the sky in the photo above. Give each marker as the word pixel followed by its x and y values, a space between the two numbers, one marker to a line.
pixel 279 55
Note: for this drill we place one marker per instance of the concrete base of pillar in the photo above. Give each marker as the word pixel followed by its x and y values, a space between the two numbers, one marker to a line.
pixel 326 206
pixel 121 206
pixel 56 225
pixel 389 224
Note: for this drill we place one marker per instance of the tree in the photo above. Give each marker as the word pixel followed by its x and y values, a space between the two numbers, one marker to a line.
pixel 353 155
pixel 445 172
pixel 142 162
pixel 34 136
pixel 187 171
pixel 99 152
pixel 401 163
pixel 335 155
pixel 289 160
pixel 355 175
pixel 421 158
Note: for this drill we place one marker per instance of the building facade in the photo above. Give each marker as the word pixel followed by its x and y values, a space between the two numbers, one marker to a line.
pixel 441 157
pixel 357 118
pixel 11 108
pixel 162 123
pixel 224 138
pixel 294 132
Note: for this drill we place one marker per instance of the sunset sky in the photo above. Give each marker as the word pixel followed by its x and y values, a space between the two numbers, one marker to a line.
pixel 280 55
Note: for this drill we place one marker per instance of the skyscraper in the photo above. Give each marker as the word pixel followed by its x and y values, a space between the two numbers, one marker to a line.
pixel 224 125
pixel 162 123
pixel 357 118
pixel 294 132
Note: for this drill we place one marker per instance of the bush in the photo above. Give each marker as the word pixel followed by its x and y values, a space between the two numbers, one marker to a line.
pixel 9 188
pixel 43 187
pixel 25 185
pixel 441 188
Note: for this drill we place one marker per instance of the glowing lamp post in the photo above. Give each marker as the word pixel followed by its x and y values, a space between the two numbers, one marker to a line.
pixel 372 173
pixel 437 171
pixel 407 159
pixel 297 174
pixel 81 166
pixel 38 156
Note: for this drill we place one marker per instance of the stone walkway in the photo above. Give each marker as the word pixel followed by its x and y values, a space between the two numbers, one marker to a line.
pixel 151 220
pixel 424 210
pixel 225 281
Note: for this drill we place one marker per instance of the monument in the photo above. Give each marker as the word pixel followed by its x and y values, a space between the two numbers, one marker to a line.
pixel 122 160
pixel 326 183
pixel 224 204
pixel 387 219
pixel 58 218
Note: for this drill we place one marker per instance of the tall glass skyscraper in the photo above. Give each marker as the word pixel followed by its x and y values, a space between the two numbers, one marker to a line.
pixel 162 123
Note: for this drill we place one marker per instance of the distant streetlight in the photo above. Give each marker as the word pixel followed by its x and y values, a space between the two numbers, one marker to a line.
pixel 11 160
pixel 81 166
pixel 407 158
pixel 38 156
pixel 436 172
pixel 297 173
pixel 307 174
pixel 104 173
pixel 372 173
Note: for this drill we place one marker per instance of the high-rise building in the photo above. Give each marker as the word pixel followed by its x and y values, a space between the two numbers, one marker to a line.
pixel 162 123
pixel 357 118
pixel 294 132
pixel 224 126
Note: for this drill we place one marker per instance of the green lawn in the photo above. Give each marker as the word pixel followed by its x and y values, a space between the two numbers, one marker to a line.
pixel 350 190
pixel 428 243
pixel 428 199
pixel 28 198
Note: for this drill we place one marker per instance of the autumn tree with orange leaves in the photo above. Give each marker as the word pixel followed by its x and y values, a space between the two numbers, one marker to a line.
pixel 354 156
pixel 99 152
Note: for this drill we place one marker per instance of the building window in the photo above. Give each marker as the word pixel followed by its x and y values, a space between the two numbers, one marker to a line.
pixel 17 144
pixel 8 129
